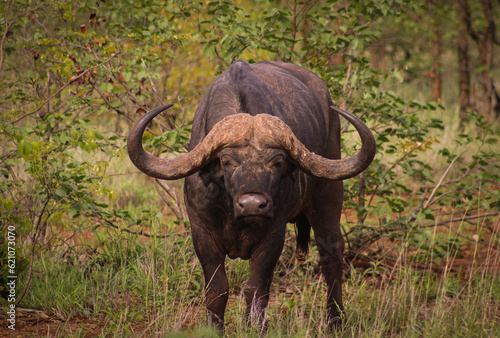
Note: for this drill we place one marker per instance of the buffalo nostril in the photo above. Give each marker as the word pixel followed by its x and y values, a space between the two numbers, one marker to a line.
pixel 252 204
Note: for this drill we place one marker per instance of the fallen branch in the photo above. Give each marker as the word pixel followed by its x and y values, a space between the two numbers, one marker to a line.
pixel 140 233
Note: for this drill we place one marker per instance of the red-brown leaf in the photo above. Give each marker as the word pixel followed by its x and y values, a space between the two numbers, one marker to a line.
pixel 120 77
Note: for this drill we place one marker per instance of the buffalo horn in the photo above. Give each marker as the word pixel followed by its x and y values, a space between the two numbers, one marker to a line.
pixel 234 130
pixel 244 129
pixel 311 163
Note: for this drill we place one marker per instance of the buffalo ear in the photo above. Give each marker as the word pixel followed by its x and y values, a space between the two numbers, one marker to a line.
pixel 212 173
pixel 289 169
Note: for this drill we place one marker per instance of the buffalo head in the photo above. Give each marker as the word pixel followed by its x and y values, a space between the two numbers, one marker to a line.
pixel 253 153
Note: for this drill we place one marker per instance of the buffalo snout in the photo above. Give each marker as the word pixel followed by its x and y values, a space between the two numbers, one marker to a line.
pixel 253 205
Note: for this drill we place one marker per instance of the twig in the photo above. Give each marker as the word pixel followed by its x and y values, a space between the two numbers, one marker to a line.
pixel 7 26
pixel 73 79
pixel 151 81
pixel 467 171
pixel 142 233
pixel 32 257
pixel 467 218
pixel 463 218
pixel 118 111
pixel 175 206
pixel 375 191
pixel 349 93
pixel 441 180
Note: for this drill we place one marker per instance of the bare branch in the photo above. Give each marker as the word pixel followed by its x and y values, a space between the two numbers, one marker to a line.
pixel 151 81
pixel 441 180
pixel 141 233
pixel 7 27
pixel 33 246
pixel 73 79
pixel 175 206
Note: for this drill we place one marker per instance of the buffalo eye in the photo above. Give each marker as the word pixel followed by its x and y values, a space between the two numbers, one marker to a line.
pixel 227 162
pixel 277 162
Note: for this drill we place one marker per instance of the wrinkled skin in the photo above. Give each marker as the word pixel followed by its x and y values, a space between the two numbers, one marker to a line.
pixel 264 151
pixel 211 196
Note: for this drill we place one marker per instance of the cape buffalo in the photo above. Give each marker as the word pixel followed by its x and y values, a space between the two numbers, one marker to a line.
pixel 264 151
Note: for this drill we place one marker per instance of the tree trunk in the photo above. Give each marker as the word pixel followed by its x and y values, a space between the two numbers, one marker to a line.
pixel 378 56
pixel 485 41
pixel 437 52
pixel 485 44
pixel 463 63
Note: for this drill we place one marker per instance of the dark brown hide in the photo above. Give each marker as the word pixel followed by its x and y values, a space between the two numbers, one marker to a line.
pixel 265 150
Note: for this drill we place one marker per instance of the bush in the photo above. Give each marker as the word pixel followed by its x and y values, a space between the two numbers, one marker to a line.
pixel 76 75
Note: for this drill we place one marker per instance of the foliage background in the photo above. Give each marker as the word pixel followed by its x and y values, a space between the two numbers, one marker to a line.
pixel 75 75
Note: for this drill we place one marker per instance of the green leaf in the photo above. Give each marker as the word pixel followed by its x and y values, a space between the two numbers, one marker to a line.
pixel 24 148
pixel 399 76
pixel 8 204
pixel 61 193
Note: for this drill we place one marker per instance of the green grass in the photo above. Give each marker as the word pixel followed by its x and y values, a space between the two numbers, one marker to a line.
pixel 155 288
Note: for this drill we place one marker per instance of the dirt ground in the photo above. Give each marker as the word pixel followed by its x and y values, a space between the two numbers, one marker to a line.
pixel 34 323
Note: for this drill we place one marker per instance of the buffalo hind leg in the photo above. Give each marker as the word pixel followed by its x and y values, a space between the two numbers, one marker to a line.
pixel 324 216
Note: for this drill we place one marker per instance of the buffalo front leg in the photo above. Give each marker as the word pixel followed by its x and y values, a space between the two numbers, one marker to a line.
pixel 262 263
pixel 216 294
pixel 216 284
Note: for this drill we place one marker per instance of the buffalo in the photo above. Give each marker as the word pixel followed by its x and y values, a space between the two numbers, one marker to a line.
pixel 264 151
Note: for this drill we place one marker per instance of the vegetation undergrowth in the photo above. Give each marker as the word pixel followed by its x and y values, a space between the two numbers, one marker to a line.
pixel 102 250
pixel 155 288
